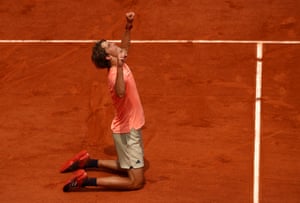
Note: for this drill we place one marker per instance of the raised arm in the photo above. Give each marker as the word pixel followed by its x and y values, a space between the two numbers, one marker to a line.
pixel 120 84
pixel 125 43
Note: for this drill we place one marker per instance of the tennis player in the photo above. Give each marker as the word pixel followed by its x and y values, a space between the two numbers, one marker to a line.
pixel 126 125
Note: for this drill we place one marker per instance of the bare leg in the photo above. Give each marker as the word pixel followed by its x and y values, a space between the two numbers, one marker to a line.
pixel 110 164
pixel 134 181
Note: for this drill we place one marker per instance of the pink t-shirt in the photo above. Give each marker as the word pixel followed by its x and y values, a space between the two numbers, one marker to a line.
pixel 129 110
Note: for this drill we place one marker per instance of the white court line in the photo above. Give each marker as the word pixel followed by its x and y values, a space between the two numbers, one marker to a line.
pixel 257 123
pixel 158 41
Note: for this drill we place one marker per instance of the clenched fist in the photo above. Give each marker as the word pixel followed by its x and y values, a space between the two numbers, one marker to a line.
pixel 130 17
pixel 121 57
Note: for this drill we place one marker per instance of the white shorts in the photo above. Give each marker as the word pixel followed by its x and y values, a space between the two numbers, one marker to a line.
pixel 130 149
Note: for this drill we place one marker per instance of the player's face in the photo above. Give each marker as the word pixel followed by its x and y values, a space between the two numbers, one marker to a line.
pixel 111 48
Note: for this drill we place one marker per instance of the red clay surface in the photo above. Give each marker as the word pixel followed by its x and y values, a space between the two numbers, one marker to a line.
pixel 199 99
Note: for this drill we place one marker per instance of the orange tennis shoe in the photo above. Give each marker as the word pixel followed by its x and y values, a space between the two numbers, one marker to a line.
pixel 75 181
pixel 75 163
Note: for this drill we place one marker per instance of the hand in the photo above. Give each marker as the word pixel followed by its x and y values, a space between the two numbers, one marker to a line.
pixel 122 55
pixel 130 17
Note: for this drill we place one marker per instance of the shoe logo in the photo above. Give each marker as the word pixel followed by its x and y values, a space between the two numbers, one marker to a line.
pixel 74 184
pixel 138 162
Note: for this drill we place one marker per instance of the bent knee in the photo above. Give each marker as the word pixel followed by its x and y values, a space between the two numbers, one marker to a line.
pixel 137 178
pixel 137 184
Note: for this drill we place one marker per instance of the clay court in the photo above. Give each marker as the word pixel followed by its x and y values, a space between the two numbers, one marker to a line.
pixel 200 98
